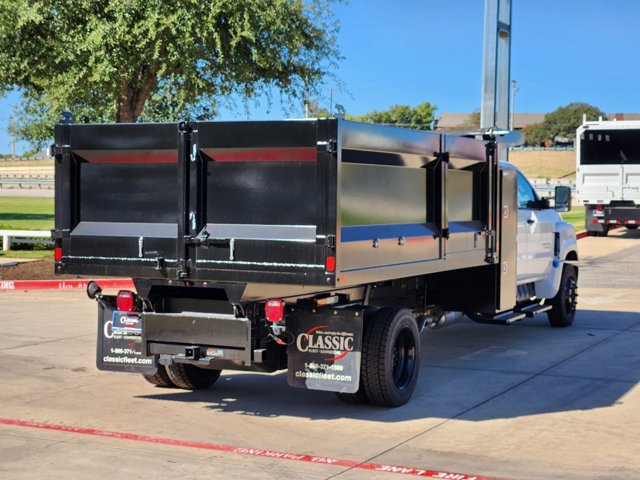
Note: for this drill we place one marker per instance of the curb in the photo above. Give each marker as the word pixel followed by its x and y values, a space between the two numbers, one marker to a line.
pixel 584 233
pixel 124 283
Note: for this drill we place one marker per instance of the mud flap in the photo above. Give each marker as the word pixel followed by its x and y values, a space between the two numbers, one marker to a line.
pixel 120 347
pixel 326 349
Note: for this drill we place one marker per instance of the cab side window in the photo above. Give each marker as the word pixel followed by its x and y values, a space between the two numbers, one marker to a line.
pixel 526 194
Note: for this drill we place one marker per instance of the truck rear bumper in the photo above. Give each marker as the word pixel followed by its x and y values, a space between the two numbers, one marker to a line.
pixel 195 336
pixel 596 220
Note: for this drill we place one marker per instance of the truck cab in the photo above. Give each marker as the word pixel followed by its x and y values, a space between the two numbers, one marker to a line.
pixel 544 240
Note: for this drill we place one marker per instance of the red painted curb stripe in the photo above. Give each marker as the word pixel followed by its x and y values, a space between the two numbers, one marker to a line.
pixel 124 283
pixel 584 233
pixel 257 452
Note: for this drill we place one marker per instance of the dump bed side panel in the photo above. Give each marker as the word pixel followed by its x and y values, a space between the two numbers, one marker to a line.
pixel 410 203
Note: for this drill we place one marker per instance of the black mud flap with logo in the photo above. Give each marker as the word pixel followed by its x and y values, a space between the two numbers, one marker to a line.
pixel 326 349
pixel 120 346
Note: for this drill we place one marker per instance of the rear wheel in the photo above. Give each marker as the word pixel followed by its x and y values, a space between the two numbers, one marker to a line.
pixel 160 378
pixel 564 304
pixel 632 227
pixel 604 232
pixel 391 357
pixel 190 377
pixel 358 398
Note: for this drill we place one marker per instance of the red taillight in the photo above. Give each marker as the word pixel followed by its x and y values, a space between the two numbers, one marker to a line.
pixel 126 301
pixel 57 254
pixel 599 207
pixel 330 265
pixel 274 310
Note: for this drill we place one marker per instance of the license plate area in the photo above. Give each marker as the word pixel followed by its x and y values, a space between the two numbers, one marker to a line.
pixel 326 349
pixel 120 343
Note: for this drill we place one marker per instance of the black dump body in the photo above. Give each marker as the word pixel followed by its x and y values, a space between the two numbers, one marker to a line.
pixel 254 207
pixel 132 200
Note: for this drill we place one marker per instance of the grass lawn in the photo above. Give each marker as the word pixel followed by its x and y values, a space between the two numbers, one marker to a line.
pixel 26 213
pixel 26 254
pixel 575 217
pixel 545 164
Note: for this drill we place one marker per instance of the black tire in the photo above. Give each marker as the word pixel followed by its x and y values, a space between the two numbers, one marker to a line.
pixel 391 357
pixel 631 227
pixel 160 379
pixel 190 377
pixel 604 232
pixel 564 304
pixel 360 397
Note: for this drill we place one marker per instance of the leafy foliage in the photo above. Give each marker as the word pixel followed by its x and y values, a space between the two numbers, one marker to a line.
pixel 120 60
pixel 561 123
pixel 420 117
pixel 534 135
pixel 314 110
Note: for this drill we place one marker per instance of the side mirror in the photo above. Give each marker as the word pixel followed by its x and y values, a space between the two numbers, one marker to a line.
pixel 563 199
pixel 93 290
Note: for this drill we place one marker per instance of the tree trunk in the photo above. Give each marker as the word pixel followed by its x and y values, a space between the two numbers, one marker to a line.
pixel 132 99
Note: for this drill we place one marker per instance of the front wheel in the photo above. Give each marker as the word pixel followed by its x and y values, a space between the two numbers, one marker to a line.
pixel 391 357
pixel 563 305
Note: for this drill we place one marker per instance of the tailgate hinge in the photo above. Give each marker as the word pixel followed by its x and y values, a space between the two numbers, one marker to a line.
pixel 489 236
pixel 330 146
pixel 330 241
pixel 183 269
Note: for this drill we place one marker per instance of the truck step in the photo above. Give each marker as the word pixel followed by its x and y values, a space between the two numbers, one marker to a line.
pixel 506 318
pixel 531 310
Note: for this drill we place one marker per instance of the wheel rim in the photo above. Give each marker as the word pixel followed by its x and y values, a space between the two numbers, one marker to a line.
pixel 571 295
pixel 404 358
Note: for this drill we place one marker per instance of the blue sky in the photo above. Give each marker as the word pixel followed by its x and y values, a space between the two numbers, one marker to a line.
pixel 411 51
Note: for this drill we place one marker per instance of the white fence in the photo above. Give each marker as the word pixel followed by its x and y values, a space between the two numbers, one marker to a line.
pixel 24 236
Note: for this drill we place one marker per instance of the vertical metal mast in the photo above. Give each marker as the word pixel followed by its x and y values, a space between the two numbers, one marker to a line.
pixel 496 65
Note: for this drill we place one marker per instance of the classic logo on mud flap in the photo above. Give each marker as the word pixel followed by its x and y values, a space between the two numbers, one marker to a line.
pixel 122 324
pixel 317 340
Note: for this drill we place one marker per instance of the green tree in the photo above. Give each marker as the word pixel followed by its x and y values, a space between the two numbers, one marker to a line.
pixel 563 122
pixel 534 135
pixel 121 60
pixel 314 110
pixel 420 117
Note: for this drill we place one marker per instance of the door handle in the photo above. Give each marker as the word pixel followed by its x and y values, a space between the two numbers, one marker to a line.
pixel 531 221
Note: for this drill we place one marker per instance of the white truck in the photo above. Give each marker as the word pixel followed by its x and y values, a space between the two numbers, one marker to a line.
pixel 608 174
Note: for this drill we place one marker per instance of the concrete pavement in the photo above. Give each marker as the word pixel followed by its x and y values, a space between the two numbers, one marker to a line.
pixel 520 402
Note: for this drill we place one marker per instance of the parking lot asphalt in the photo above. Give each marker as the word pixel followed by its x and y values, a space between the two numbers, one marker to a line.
pixel 520 402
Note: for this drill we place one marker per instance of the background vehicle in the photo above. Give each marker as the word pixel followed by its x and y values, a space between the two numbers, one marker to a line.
pixel 608 174
pixel 321 246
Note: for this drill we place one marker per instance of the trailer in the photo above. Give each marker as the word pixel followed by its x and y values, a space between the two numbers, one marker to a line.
pixel 321 246
pixel 608 174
